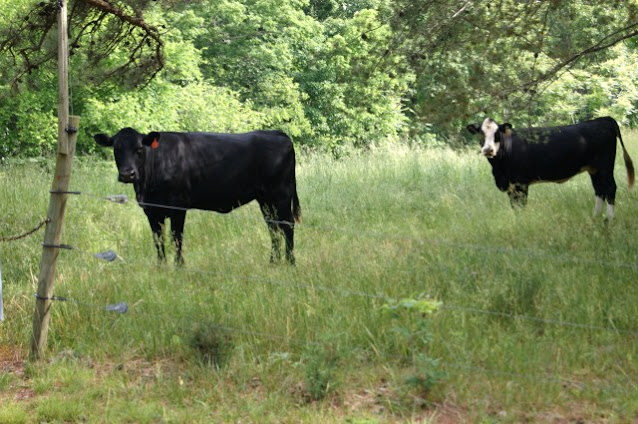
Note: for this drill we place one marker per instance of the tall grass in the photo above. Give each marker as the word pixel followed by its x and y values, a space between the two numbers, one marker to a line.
pixel 538 319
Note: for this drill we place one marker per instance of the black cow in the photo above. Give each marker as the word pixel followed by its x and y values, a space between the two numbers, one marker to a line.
pixel 523 157
pixel 210 171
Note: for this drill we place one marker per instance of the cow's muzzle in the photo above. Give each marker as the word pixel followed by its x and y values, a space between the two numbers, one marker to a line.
pixel 488 153
pixel 126 177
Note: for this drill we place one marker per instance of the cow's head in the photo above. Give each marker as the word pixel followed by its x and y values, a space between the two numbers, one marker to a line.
pixel 129 151
pixel 494 136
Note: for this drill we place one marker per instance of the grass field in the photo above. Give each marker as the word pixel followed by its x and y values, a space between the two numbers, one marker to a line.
pixel 538 320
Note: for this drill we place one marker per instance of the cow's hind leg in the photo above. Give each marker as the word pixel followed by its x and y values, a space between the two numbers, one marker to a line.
pixel 177 232
pixel 280 221
pixel 286 224
pixel 605 189
pixel 157 226
pixel 271 220
pixel 287 227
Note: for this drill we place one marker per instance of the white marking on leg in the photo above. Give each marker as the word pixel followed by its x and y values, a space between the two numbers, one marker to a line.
pixel 610 212
pixel 598 207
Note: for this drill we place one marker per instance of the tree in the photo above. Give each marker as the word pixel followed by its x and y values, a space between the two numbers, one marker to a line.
pixel 331 74
pixel 476 58
pixel 99 27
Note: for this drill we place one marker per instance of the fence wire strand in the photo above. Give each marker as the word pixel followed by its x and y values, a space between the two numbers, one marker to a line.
pixel 529 252
pixel 26 234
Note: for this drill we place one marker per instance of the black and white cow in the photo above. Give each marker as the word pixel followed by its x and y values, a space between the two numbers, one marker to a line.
pixel 210 171
pixel 555 154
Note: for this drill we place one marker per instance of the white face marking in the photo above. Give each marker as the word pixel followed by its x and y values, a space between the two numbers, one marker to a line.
pixel 598 208
pixel 490 145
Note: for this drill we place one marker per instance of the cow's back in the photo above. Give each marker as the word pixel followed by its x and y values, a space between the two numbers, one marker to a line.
pixel 557 153
pixel 215 171
pixel 596 132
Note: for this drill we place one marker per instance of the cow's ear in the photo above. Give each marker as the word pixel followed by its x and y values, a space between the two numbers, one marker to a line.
pixel 473 129
pixel 505 128
pixel 103 140
pixel 151 138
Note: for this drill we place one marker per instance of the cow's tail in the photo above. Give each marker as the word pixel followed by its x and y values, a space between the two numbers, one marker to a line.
pixel 628 163
pixel 296 207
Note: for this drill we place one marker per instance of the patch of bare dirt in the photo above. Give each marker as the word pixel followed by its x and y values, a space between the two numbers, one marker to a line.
pixel 377 401
pixel 445 413
pixel 12 361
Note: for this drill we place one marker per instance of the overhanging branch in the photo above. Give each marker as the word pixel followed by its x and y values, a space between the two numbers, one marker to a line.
pixel 135 21
pixel 599 46
pixel 113 35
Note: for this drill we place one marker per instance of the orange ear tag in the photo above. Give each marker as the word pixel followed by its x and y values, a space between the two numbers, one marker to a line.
pixel 154 144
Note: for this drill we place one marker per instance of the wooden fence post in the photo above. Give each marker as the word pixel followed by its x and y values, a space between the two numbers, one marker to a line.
pixel 52 237
pixel 67 129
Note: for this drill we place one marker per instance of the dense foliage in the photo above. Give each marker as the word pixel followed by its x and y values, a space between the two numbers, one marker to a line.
pixel 331 74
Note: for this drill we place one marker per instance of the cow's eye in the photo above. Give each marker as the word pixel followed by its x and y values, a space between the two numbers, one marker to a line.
pixel 139 151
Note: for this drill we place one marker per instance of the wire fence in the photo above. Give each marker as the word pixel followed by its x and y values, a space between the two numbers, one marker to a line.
pixel 5 239
pixel 122 307
pixel 111 256
pixel 534 252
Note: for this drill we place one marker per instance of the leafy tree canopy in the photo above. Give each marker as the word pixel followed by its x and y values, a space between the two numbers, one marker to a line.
pixel 331 73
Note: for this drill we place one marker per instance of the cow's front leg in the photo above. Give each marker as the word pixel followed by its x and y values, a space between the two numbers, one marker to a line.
pixel 518 195
pixel 177 231
pixel 157 226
